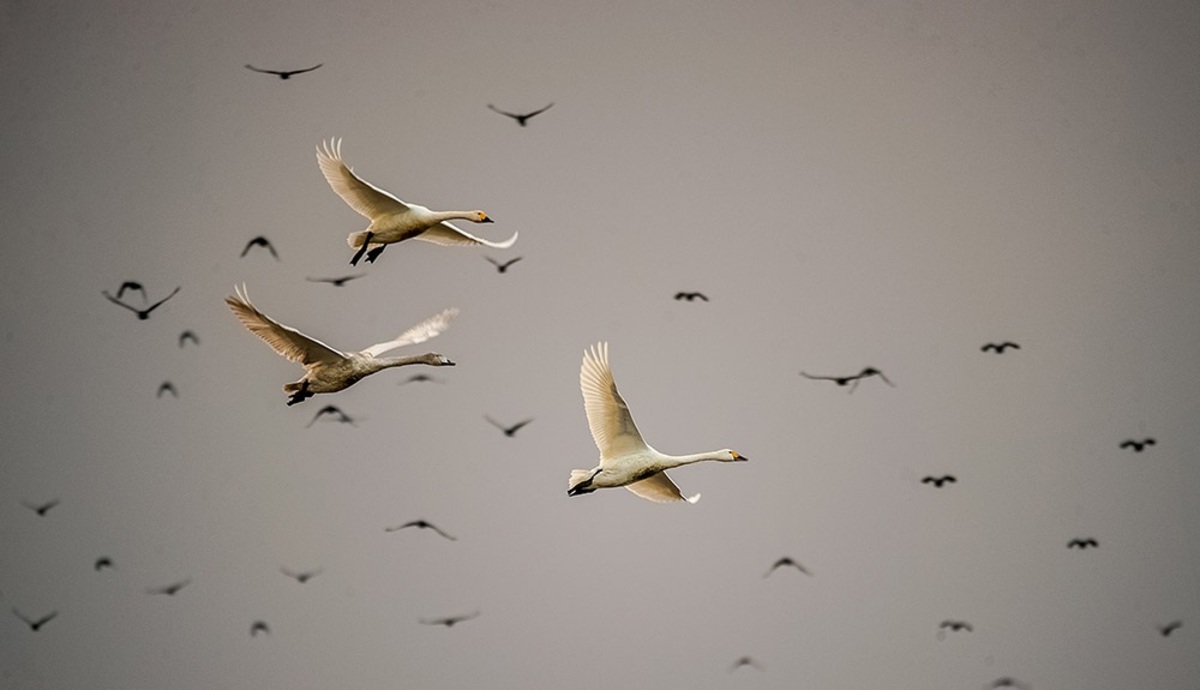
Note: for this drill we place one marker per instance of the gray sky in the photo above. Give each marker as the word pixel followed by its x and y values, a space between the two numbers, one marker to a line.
pixel 852 184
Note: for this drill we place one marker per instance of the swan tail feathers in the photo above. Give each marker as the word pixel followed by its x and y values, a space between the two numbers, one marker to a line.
pixel 292 387
pixel 580 482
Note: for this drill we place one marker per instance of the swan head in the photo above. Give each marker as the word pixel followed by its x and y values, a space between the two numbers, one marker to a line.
pixel 433 359
pixel 481 217
pixel 731 456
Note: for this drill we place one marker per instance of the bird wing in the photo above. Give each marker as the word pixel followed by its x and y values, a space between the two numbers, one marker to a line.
pixel 608 416
pixel 360 195
pixel 156 305
pixel 302 71
pixel 660 489
pixel 502 112
pixel 114 300
pixel 287 341
pixel 448 235
pixel 264 71
pixel 419 333
pixel 539 111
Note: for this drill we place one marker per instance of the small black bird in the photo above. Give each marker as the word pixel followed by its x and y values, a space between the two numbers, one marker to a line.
pixel 336 282
pixel 449 621
pixel 102 563
pixel 1169 628
pixel 1082 543
pixel 786 560
pixel 745 661
pixel 843 380
pixel 999 348
pixel 334 410
pixel 509 431
pixel 938 481
pixel 41 508
pixel 301 576
pixel 691 296
pixel 142 314
pixel 956 626
pixel 419 378
pixel 37 624
pixel 423 525
pixel 1137 446
pixel 131 285
pixel 1008 682
pixel 171 589
pixel 188 335
pixel 520 118
pixel 502 267
pixel 260 241
pixel 166 387
pixel 259 627
pixel 283 74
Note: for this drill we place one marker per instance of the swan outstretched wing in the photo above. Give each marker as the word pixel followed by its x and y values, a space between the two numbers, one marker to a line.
pixel 285 340
pixel 608 416
pixel 660 489
pixel 419 333
pixel 360 195
pixel 448 235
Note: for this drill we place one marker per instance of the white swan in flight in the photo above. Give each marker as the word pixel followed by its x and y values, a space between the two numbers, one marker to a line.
pixel 329 370
pixel 393 220
pixel 625 459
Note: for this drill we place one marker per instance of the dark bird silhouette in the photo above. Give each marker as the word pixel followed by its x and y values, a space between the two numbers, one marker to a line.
pixel 102 563
pixel 166 387
pixel 259 627
pixel 301 576
pixel 509 431
pixel 744 661
pixel 956 626
pixel 938 481
pixel 691 296
pixel 41 508
pixel 423 525
pixel 188 335
pixel 520 118
pixel 334 410
pixel 260 241
pixel 131 285
pixel 786 561
pixel 419 378
pixel 450 620
pixel 171 589
pixel 1008 682
pixel 283 74
pixel 142 314
pixel 1082 543
pixel 999 348
pixel 1169 628
pixel 337 282
pixel 33 624
pixel 502 267
pixel 1137 446
pixel 854 379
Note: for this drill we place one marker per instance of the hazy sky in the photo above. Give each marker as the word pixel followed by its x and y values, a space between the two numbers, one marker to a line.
pixel 852 184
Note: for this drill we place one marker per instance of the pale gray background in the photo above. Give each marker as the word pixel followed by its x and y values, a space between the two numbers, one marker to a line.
pixel 888 184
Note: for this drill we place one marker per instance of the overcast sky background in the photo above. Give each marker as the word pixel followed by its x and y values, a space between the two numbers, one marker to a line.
pixel 852 184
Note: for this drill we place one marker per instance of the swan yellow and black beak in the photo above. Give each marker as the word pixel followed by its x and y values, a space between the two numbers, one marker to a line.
pixel 487 219
pixel 738 457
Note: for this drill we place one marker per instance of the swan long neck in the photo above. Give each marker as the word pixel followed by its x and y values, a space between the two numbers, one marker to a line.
pixel 381 363
pixel 669 461
pixel 455 215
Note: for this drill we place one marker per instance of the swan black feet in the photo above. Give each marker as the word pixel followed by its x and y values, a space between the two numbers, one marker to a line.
pixel 363 250
pixel 300 395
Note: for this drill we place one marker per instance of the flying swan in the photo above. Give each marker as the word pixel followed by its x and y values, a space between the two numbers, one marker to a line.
pixel 329 370
pixel 625 459
pixel 393 220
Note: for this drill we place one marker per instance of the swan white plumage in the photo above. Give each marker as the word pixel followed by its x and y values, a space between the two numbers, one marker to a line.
pixel 625 459
pixel 329 370
pixel 393 220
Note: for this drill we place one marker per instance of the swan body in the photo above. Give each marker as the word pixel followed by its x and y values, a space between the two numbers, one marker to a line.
pixel 393 220
pixel 625 459
pixel 329 370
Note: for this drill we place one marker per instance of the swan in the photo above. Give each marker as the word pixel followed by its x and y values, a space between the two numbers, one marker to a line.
pixel 329 370
pixel 625 459
pixel 393 220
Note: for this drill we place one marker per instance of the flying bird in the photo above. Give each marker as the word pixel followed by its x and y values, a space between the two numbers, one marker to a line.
pixel 1169 628
pixel 938 481
pixel 423 525
pixel 1082 543
pixel 786 561
pixel 956 626
pixel 188 335
pixel 1137 446
pixel 142 314
pixel 260 241
pixel 449 621
pixel 509 431
pixel 259 627
pixel 337 282
pixel 1008 682
pixel 334 410
pixel 35 624
pixel 691 296
pixel 166 387
pixel 102 563
pixel 328 370
pixel 999 348
pixel 854 379
pixel 520 118
pixel 283 74
pixel 502 267
pixel 302 576
pixel 41 508
pixel 171 589
pixel 393 220
pixel 745 661
pixel 625 459
pixel 420 378
pixel 131 285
